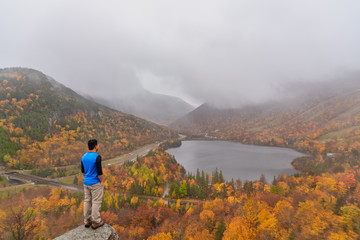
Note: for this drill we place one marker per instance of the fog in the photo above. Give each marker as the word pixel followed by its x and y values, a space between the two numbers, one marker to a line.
pixel 231 52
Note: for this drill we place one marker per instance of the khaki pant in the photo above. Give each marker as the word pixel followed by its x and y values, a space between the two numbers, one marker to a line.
pixel 93 195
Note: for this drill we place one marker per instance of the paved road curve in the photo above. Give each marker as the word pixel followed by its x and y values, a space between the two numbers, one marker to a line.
pixel 29 179
pixel 131 156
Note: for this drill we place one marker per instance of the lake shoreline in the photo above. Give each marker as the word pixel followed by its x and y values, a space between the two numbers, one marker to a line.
pixel 204 138
pixel 239 154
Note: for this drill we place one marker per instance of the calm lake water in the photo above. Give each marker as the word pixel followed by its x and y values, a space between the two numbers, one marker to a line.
pixel 236 160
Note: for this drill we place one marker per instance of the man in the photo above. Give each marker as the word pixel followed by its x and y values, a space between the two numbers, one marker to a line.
pixel 93 185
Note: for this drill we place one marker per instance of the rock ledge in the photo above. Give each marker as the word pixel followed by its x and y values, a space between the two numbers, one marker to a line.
pixel 105 232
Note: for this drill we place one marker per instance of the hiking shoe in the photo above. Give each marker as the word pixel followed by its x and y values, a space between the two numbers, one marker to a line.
pixel 88 225
pixel 97 225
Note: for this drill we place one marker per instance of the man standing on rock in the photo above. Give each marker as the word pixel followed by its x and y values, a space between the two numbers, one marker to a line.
pixel 93 185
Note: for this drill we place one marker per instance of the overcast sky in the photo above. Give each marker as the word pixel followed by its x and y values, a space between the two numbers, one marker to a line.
pixel 228 51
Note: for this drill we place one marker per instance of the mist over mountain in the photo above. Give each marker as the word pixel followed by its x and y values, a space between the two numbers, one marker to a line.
pixel 273 73
pixel 228 51
pixel 325 115
pixel 44 123
pixel 158 108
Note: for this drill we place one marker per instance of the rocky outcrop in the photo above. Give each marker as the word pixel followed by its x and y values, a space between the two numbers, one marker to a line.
pixel 105 232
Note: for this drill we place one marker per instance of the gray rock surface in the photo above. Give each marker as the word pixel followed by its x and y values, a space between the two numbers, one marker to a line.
pixel 105 232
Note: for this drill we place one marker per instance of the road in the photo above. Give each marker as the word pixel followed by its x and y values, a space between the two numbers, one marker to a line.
pixel 29 179
pixel 131 156
pixel 166 192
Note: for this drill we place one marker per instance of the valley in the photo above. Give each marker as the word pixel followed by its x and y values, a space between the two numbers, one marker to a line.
pixel 149 194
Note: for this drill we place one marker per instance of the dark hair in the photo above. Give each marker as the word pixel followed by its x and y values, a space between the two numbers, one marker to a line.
pixel 92 143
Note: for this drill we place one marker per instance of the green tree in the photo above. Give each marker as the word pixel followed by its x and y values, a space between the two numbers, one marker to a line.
pixel 219 230
pixel 215 176
pixel 183 189
pixel 221 178
pixel 351 215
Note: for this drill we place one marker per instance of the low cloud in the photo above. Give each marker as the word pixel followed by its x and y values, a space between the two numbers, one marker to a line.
pixel 231 52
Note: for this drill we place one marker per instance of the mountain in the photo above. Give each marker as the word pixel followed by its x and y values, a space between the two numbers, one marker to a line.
pixel 158 108
pixel 319 118
pixel 43 123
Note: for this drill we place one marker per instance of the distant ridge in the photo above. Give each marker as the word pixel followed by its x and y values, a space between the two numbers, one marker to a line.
pixel 158 108
pixel 319 114
pixel 44 123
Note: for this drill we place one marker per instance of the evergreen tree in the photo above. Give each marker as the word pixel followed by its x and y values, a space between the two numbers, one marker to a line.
pixel 197 178
pixel 248 187
pixel 220 229
pixel 203 181
pixel 216 176
pixel 76 181
pixel 232 183
pixel 221 178
pixel 274 182
pixel 262 178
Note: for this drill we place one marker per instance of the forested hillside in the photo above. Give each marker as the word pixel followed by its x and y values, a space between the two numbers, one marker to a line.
pixel 322 202
pixel 43 123
pixel 291 207
pixel 322 119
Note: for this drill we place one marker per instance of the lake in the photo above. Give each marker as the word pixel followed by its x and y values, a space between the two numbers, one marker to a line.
pixel 236 160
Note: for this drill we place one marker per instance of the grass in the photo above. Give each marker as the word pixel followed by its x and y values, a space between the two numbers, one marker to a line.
pixel 8 193
pixel 68 180
pixel 334 134
pixel 4 182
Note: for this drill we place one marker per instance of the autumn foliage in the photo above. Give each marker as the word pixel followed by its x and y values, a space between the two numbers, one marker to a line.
pixel 43 123
pixel 322 202
pixel 323 122
pixel 324 206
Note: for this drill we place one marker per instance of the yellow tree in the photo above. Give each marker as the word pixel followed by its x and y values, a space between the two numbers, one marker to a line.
pixel 21 222
pixel 268 226
pixel 203 235
pixel 161 236
pixel 314 222
pixel 207 217
pixel 238 229
pixel 244 227
pixel 284 212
